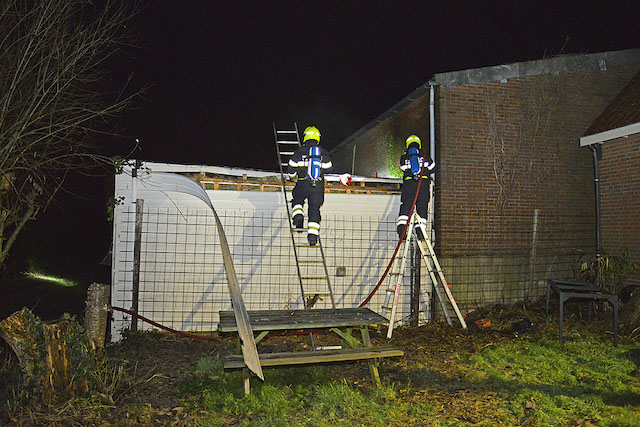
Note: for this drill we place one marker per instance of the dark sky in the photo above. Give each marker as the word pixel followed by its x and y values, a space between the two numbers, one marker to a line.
pixel 222 72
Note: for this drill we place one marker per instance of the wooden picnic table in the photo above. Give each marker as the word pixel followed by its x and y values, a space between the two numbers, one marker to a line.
pixel 343 322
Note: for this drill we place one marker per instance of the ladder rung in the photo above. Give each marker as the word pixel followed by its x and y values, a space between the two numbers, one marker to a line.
pixel 286 131
pixel 386 308
pixel 309 261
pixel 284 164
pixel 314 277
pixel 392 291
pixel 286 153
pixel 320 294
pixel 288 142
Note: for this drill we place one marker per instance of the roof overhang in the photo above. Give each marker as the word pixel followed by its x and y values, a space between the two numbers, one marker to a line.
pixel 607 135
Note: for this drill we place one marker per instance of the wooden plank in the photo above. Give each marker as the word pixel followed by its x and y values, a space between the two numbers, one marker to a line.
pixel 313 357
pixel 274 320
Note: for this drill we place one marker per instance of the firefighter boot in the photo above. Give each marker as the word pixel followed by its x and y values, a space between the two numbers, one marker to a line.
pixel 298 221
pixel 313 239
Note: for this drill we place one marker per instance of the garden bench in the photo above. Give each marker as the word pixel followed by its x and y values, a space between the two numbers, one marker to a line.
pixel 580 290
pixel 342 322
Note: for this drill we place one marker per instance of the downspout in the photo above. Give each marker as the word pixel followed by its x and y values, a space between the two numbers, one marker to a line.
pixel 432 115
pixel 432 149
pixel 430 306
pixel 596 181
pixel 432 139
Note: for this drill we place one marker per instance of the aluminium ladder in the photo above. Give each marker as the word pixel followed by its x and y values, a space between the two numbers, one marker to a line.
pixel 435 272
pixel 311 264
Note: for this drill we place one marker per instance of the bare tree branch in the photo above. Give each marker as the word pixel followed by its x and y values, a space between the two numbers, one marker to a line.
pixel 54 97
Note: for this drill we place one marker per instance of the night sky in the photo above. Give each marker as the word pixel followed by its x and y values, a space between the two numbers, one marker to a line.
pixel 222 72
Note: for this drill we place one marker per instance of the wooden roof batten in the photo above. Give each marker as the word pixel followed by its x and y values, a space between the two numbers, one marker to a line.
pixel 236 179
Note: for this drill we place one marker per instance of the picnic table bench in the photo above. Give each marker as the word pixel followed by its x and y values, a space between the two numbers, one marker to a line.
pixel 566 290
pixel 342 322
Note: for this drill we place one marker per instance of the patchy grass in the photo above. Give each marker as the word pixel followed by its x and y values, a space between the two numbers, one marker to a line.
pixel 448 377
pixel 546 384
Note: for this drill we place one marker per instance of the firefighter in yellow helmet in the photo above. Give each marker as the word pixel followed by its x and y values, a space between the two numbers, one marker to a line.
pixel 411 162
pixel 307 167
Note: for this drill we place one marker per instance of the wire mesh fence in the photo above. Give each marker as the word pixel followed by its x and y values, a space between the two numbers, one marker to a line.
pixel 182 278
pixel 500 259
pixel 507 258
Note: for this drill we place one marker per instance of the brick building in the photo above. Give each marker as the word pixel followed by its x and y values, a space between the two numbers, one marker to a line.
pixel 514 199
pixel 615 138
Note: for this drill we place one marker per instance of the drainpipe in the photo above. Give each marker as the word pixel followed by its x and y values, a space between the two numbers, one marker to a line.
pixel 432 115
pixel 431 305
pixel 432 148
pixel 596 181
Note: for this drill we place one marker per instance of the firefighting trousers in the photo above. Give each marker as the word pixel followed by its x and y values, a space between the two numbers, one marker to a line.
pixel 314 194
pixel 409 188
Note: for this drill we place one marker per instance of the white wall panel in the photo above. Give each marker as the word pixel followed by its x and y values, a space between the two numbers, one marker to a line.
pixel 182 279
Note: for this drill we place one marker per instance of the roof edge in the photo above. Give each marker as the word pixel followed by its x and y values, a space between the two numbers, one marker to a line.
pixel 501 72
pixel 607 135
pixel 550 65
pixel 249 173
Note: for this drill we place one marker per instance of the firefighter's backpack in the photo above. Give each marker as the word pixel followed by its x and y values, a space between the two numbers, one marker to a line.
pixel 414 160
pixel 315 163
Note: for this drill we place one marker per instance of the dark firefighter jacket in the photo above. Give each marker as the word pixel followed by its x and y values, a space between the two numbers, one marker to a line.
pixel 299 162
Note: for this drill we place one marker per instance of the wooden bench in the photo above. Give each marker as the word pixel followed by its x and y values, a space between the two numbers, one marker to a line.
pixel 290 358
pixel 342 322
pixel 566 290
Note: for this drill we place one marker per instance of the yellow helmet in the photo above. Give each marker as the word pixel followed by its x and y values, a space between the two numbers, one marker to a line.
pixel 311 132
pixel 412 139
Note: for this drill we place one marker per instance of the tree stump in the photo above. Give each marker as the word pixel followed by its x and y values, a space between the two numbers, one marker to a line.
pixel 20 331
pixel 56 357
pixel 95 319
pixel 59 366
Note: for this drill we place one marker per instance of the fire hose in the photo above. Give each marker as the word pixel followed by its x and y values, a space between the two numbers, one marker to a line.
pixel 404 232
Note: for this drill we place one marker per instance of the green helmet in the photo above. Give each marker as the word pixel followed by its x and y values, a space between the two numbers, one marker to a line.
pixel 412 139
pixel 311 132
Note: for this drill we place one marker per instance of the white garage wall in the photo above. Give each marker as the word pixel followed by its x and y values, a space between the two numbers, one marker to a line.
pixel 182 279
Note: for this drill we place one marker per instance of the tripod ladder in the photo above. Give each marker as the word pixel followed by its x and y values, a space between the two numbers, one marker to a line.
pixel 435 272
pixel 311 264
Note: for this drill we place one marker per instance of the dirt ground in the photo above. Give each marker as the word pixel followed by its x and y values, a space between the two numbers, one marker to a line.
pixel 432 366
pixel 432 370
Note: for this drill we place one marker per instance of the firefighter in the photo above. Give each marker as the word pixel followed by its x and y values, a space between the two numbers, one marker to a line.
pixel 307 167
pixel 411 163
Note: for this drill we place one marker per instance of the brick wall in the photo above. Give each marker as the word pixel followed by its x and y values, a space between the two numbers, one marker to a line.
pixel 515 193
pixel 620 198
pixel 378 150
pixel 507 149
pixel 515 202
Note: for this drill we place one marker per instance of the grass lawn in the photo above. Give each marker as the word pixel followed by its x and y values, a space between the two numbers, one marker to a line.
pixel 448 377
